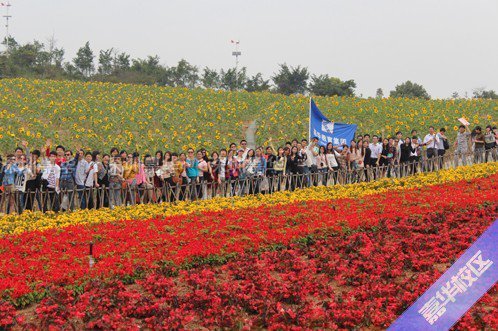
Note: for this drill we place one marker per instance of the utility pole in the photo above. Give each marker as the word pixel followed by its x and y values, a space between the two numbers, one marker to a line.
pixel 236 53
pixel 7 17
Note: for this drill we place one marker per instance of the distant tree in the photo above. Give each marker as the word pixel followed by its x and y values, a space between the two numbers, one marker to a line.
pixel 291 80
pixel 379 94
pixel 210 78
pixel 121 62
pixel 84 60
pixel 11 42
pixel 57 57
pixel 409 90
pixel 327 86
pixel 185 74
pixel 72 72
pixel 257 84
pixel 481 93
pixel 149 66
pixel 233 80
pixel 455 95
pixel 28 56
pixel 106 61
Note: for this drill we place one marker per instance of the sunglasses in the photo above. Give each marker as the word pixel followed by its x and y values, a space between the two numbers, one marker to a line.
pixel 67 154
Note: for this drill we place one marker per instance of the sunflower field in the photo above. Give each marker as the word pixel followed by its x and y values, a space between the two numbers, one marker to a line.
pixel 95 115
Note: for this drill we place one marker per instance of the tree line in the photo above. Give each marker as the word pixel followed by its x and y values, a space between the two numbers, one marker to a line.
pixel 38 60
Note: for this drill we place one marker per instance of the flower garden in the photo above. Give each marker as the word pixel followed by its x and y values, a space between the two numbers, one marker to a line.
pixel 344 257
pixel 93 115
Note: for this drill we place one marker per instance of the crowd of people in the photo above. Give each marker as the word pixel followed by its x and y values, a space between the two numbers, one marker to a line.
pixel 56 178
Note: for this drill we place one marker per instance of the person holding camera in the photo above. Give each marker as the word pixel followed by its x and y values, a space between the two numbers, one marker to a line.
pixel 431 141
pixel 9 173
pixel 67 179
pixel 50 183
pixel 490 144
pixel 479 144
pixel 115 182
pixel 462 144
pixel 442 146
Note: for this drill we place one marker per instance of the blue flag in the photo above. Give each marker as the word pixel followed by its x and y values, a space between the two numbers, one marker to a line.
pixel 327 131
pixel 458 289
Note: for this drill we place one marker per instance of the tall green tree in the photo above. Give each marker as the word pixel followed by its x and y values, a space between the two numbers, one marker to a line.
pixel 233 79
pixel 379 94
pixel 291 80
pixel 409 90
pixel 257 84
pixel 121 62
pixel 185 75
pixel 84 60
pixel 105 61
pixel 210 78
pixel 328 86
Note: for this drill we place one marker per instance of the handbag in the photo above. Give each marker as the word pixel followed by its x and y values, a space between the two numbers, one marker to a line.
pixel 265 184
pixel 65 202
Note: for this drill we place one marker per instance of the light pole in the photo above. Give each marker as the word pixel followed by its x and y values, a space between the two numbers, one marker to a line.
pixel 236 53
pixel 7 16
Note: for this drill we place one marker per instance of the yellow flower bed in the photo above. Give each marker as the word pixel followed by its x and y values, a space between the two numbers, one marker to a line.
pixel 29 221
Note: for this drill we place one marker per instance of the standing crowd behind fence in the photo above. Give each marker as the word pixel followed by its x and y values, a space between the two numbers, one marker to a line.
pixel 57 180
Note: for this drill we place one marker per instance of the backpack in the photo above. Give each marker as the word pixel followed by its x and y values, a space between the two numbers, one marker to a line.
pixel 446 144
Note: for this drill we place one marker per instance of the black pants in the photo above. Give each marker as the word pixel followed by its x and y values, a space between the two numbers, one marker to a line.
pixel 440 154
pixel 373 165
pixel 431 153
pixel 103 195
pixel 413 164
pixel 51 200
pixel 33 194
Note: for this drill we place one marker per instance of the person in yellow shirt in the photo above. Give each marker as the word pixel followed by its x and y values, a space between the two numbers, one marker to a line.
pixel 130 171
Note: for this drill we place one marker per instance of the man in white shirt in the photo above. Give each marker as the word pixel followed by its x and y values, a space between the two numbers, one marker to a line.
pixel 89 181
pixel 399 136
pixel 51 175
pixel 80 177
pixel 430 141
pixel 440 146
pixel 376 149
pixel 243 146
pixel 311 153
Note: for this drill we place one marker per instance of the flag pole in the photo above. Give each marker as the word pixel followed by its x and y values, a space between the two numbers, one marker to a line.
pixel 309 123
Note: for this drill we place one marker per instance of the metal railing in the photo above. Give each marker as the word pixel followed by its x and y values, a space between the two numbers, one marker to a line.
pixel 118 194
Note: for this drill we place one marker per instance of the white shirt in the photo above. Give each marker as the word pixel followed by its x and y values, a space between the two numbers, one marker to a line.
pixel 331 159
pixel 51 174
pixel 221 169
pixel 80 172
pixel 244 155
pixel 310 157
pixel 92 168
pixel 440 141
pixel 415 148
pixel 376 150
pixel 433 138
pixel 22 178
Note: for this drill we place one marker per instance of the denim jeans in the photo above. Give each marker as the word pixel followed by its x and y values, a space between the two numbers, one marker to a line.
pixel 81 196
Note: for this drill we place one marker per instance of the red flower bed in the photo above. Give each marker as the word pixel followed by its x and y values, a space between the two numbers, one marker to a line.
pixel 32 261
pixel 361 279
